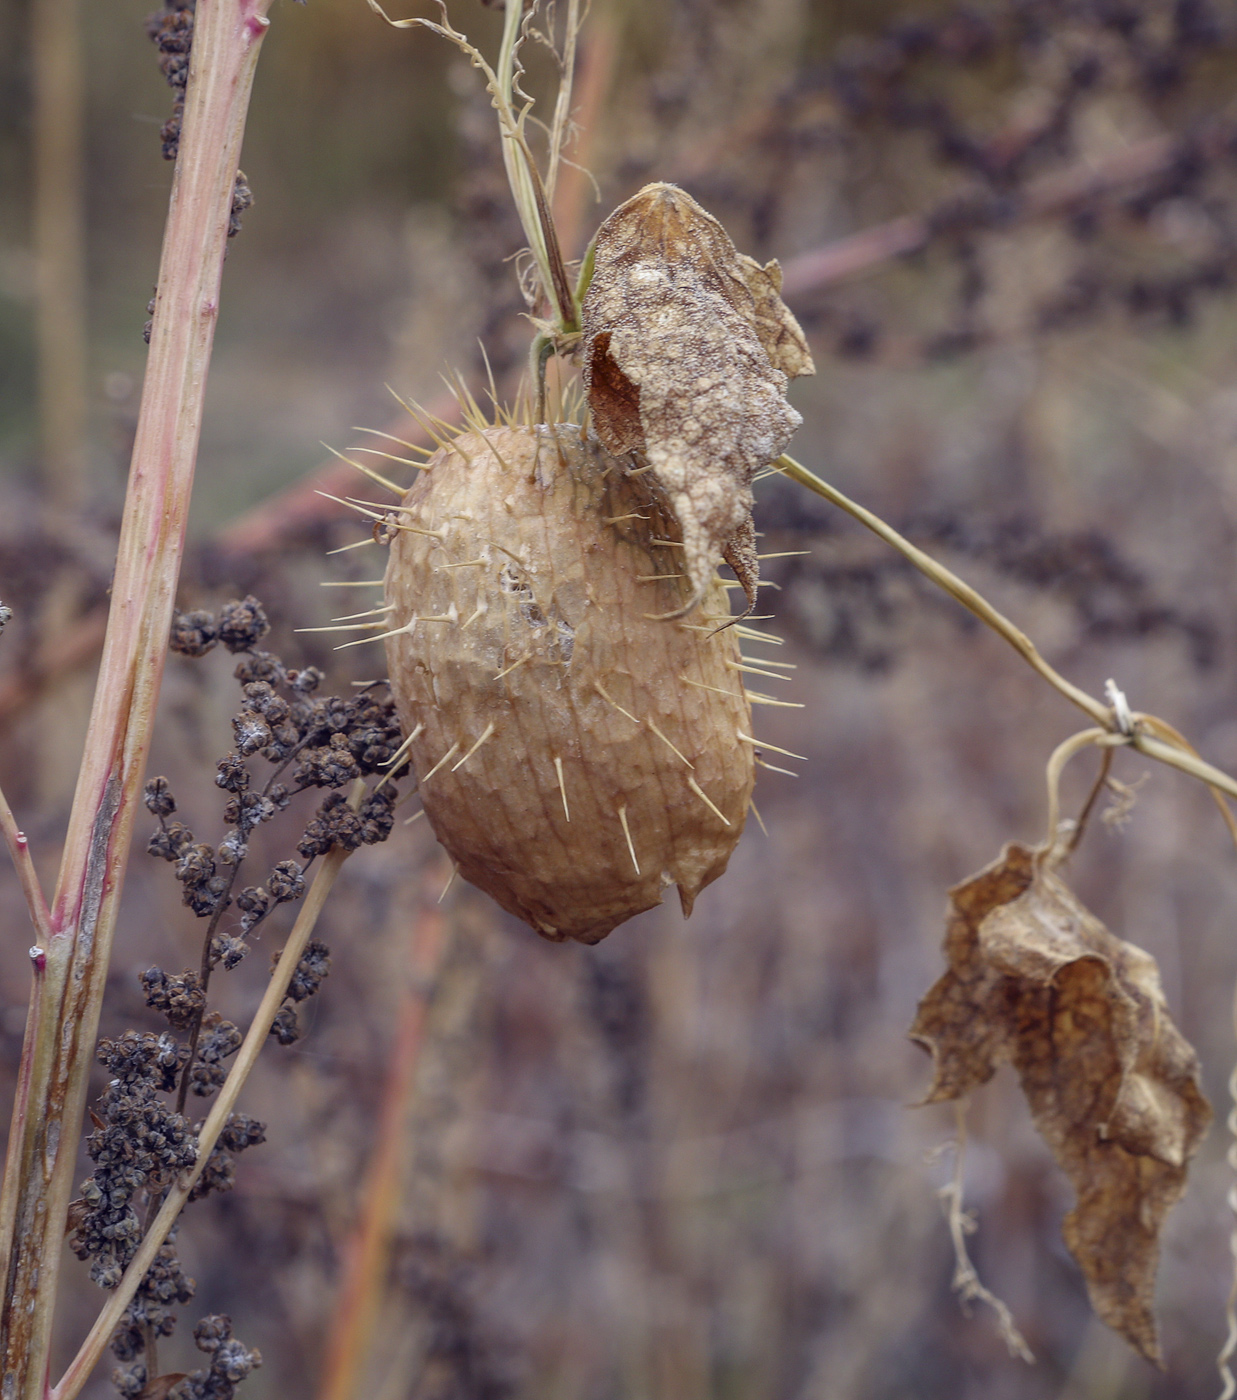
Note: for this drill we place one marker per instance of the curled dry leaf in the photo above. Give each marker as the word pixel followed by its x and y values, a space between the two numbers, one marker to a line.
pixel 1037 980
pixel 687 351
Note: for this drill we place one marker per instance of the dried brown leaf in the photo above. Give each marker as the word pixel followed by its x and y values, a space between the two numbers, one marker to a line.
pixel 687 351
pixel 1035 979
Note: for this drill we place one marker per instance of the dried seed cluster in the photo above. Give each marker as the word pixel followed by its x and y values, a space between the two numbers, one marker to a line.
pixel 142 1138
pixel 138 1145
pixel 311 743
pixel 575 755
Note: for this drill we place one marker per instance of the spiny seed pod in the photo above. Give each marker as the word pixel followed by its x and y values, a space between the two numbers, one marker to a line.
pixel 575 755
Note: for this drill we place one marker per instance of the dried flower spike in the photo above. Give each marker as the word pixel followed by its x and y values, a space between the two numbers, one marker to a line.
pixel 575 755
pixel 687 351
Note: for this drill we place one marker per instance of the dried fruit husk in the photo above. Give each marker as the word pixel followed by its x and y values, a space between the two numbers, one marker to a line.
pixel 687 348
pixel 536 564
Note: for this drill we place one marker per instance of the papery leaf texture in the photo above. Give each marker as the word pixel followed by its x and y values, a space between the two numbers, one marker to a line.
pixel 1034 979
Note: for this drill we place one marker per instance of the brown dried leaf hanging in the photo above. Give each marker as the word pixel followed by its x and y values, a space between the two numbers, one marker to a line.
pixel 1037 980
pixel 687 351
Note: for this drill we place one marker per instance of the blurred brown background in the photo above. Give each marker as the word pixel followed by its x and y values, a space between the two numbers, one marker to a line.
pixel 682 1164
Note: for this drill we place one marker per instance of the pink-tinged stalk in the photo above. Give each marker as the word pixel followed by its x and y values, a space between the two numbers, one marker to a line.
pixel 59 1052
pixel 359 1300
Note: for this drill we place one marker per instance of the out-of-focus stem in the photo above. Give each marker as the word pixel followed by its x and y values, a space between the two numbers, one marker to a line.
pixel 872 247
pixel 83 913
pixel 59 248
pixel 562 106
pixel 369 1248
pixel 92 1348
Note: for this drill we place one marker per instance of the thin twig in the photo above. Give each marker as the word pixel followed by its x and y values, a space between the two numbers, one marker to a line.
pixel 1163 730
pixel 562 105
pixel 1170 747
pixel 966 1282
pixel 19 850
pixel 1060 756
pixel 1080 822
pixel 259 1031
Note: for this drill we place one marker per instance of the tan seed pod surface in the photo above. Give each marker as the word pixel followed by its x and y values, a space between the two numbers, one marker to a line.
pixel 575 755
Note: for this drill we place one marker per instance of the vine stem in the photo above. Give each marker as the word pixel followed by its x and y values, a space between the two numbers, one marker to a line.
pixel 1060 756
pixel 96 1341
pixel 59 1048
pixel 1165 745
pixel 954 586
pixel 966 1281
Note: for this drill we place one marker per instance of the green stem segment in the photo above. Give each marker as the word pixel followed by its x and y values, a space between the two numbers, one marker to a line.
pixel 71 975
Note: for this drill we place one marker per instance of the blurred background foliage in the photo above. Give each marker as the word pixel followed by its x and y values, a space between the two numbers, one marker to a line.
pixel 682 1164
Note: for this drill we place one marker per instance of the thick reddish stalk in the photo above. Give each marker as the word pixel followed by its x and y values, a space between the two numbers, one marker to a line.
pixel 57 1059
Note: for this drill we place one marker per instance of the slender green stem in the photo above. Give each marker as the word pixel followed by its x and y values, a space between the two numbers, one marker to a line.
pixel 72 975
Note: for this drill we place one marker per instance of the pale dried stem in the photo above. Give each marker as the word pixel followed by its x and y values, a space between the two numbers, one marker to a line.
pixel 57 1058
pixel 1171 748
pixel 954 586
pixel 562 105
pixel 259 1031
pixel 512 105
pixel 966 1282
pixel 359 1299
pixel 1061 755
pixel 575 190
